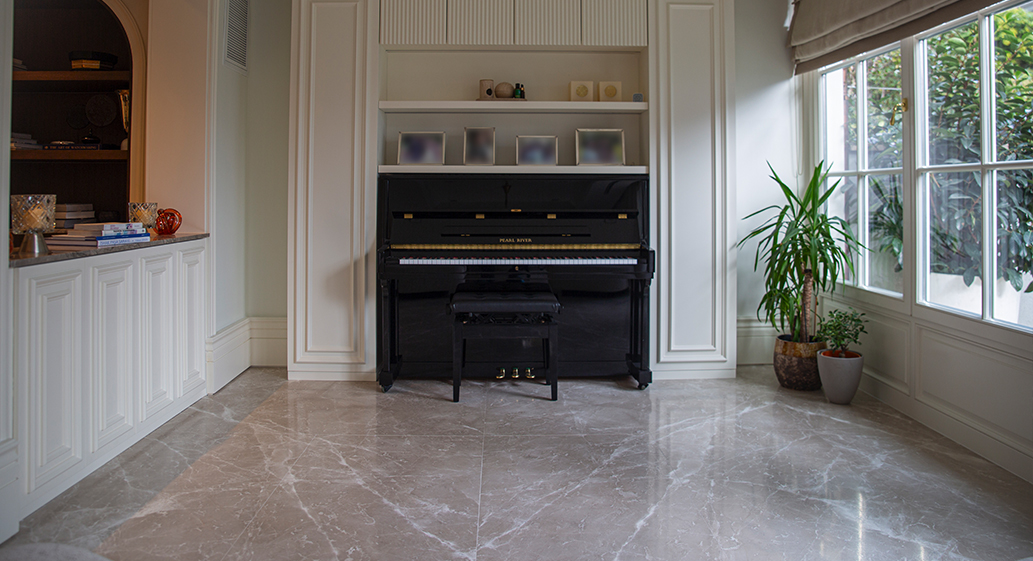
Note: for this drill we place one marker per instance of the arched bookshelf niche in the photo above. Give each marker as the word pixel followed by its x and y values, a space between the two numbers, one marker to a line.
pixel 51 102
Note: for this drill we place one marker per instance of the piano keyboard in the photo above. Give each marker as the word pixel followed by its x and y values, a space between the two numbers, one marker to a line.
pixel 518 261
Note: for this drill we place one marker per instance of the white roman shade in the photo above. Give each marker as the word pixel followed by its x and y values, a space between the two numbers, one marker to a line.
pixel 827 31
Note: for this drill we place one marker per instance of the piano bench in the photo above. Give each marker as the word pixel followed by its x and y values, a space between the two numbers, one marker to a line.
pixel 504 315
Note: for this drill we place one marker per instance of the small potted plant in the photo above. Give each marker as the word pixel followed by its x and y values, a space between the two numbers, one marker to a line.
pixel 839 367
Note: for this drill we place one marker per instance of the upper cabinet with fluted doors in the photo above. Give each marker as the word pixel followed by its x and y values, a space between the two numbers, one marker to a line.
pixel 597 23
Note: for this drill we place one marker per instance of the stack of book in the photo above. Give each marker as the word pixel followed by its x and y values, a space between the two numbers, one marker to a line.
pixel 23 141
pixel 19 65
pixel 71 215
pixel 103 234
pixel 92 60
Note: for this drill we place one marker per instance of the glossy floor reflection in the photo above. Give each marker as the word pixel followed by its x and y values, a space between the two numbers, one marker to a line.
pixel 723 469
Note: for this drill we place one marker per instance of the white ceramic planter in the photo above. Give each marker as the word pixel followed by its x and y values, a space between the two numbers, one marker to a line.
pixel 840 376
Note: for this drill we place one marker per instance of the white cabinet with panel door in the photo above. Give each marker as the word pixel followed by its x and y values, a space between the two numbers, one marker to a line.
pixel 107 348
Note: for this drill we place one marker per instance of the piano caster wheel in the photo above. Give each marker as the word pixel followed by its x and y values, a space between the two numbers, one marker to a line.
pixel 643 386
pixel 386 388
pixel 515 373
pixel 528 374
pixel 501 375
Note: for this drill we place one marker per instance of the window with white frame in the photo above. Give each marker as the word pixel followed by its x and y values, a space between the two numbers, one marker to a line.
pixel 972 176
pixel 863 102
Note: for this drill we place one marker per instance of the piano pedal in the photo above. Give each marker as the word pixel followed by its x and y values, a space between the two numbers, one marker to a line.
pixel 515 373
pixel 529 373
pixel 502 374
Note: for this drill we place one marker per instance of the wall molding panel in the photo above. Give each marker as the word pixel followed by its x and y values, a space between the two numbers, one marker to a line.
pixel 694 202
pixel 330 302
pixel 995 400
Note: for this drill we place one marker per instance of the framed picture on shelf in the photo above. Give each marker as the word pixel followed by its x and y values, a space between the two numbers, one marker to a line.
pixel 536 150
pixel 479 146
pixel 421 148
pixel 600 147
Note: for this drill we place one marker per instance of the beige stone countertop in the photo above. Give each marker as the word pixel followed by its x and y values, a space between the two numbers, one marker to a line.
pixel 64 255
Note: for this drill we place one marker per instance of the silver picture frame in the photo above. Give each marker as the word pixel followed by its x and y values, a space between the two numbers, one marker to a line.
pixel 479 146
pixel 421 148
pixel 600 147
pixel 533 150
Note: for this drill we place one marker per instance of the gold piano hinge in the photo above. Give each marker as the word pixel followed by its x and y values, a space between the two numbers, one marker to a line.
pixel 515 246
pixel 514 210
pixel 479 216
pixel 622 216
pixel 407 216
pixel 551 216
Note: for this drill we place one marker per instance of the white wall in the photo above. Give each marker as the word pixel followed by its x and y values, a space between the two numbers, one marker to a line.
pixel 268 104
pixel 177 45
pixel 228 225
pixel 765 132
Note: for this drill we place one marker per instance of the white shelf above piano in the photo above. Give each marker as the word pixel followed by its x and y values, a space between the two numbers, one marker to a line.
pixel 567 107
pixel 603 170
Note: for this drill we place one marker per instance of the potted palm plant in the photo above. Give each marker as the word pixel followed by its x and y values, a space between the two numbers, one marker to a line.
pixel 803 250
pixel 839 367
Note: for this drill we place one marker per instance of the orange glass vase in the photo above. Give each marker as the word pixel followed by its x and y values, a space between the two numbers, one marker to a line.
pixel 169 220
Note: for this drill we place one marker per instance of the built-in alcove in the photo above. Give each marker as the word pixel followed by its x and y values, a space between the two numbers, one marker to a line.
pixel 52 102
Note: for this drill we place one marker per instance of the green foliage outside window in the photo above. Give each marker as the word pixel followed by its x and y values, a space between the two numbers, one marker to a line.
pixel 955 214
pixel 956 199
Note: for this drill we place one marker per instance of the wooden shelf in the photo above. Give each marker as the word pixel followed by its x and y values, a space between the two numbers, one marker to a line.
pixel 70 80
pixel 601 170
pixel 68 155
pixel 568 107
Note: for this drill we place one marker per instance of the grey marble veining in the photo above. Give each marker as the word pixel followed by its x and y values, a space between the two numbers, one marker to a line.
pixel 723 469
pixel 92 509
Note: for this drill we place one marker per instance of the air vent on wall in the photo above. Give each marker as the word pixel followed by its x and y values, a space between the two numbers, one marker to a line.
pixel 236 34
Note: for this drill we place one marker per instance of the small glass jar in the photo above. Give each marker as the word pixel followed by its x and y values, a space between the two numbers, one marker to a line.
pixel 32 215
pixel 144 213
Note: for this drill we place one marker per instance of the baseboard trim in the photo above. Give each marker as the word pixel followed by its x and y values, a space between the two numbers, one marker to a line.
pixel 756 341
pixel 258 341
pixel 269 341
pixel 227 354
pixel 693 374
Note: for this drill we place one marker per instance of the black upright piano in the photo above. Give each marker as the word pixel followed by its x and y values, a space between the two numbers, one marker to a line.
pixel 584 237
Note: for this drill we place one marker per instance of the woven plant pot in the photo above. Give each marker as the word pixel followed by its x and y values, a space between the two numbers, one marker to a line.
pixel 796 364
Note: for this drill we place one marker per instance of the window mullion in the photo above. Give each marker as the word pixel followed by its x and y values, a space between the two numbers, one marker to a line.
pixel 908 176
pixel 989 154
pixel 861 269
pixel 919 198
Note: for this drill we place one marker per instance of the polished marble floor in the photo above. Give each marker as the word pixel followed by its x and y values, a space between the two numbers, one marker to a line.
pixel 722 469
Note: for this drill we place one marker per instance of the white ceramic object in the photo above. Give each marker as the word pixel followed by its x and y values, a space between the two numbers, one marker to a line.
pixel 840 376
